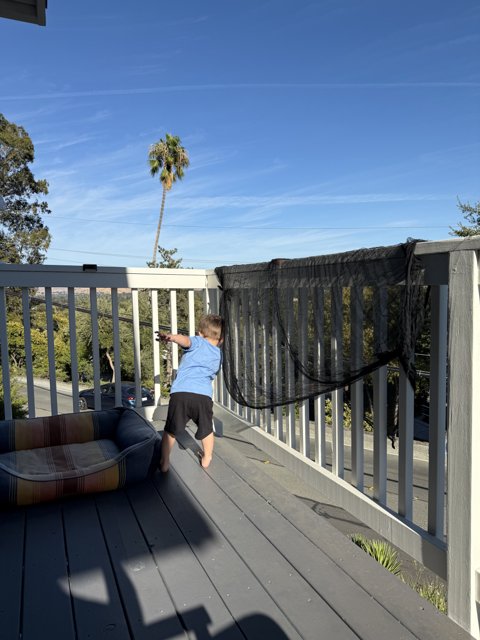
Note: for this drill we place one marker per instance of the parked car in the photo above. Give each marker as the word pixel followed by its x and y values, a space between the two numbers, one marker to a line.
pixel 107 391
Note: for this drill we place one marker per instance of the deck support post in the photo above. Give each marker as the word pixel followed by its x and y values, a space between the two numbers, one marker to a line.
pixel 464 440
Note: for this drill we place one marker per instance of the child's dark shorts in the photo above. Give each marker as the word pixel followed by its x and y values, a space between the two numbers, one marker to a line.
pixel 185 406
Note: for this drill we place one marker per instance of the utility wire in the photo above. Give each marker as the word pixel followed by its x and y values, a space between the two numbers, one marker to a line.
pixel 100 314
pixel 126 255
pixel 253 228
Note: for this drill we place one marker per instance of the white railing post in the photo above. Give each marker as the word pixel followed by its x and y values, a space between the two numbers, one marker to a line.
pixel 319 355
pixel 380 404
pixel 28 354
pixel 246 339
pixel 290 373
pixel 338 439
pixel 72 325
pixel 116 347
pixel 219 393
pixel 174 329
pixel 437 411
pixel 303 348
pixel 464 440
pixel 277 376
pixel 256 357
pixel 156 346
pixel 95 347
pixel 356 337
pixel 191 311
pixel 51 351
pixel 266 363
pixel 405 446
pixel 236 340
pixel 7 397
pixel 137 348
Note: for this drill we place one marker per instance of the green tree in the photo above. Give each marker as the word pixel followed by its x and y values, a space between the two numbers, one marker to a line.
pixel 168 159
pixel 471 213
pixel 24 238
pixel 167 259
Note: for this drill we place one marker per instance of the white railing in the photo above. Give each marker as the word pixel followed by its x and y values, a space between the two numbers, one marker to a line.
pixel 44 283
pixel 332 458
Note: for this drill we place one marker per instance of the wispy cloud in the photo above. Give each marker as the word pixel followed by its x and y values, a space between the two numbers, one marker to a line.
pixel 22 117
pixel 71 142
pixel 272 202
pixel 98 116
pixel 107 22
pixel 244 86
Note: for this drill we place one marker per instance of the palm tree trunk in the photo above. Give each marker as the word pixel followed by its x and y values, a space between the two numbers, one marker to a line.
pixel 162 209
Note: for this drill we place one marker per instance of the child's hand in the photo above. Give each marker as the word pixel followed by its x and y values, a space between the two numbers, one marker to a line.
pixel 163 337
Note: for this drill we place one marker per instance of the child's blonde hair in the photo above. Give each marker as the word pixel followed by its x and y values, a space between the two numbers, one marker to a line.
pixel 211 326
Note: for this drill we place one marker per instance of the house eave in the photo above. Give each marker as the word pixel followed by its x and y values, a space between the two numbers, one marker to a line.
pixel 33 11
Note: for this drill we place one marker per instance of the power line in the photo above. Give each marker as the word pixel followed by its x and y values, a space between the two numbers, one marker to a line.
pixel 253 228
pixel 127 255
pixel 100 314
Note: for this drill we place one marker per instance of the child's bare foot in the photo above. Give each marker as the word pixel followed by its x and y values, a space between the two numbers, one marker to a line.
pixel 164 467
pixel 204 460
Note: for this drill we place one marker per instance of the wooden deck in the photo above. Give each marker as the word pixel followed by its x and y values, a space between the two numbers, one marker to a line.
pixel 222 554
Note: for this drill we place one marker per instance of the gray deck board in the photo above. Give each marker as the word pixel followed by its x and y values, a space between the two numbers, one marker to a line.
pixel 220 554
pixel 12 528
pixel 96 603
pixel 47 607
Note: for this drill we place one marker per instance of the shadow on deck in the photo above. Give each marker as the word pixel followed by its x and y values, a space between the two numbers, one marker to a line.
pixel 222 554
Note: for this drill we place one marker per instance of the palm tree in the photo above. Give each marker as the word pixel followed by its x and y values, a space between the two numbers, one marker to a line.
pixel 169 159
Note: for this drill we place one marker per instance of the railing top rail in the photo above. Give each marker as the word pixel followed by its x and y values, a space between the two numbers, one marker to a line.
pixel 26 275
pixel 447 246
pixel 53 268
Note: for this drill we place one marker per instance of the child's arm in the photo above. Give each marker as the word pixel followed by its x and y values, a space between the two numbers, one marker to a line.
pixel 178 338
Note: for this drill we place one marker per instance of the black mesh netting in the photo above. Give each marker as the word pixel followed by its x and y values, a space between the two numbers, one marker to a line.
pixel 298 328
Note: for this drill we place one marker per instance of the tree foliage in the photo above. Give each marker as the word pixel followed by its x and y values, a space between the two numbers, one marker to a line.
pixel 24 238
pixel 167 259
pixel 471 213
pixel 18 401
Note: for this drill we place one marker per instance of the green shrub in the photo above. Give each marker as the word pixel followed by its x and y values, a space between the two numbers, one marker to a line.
pixel 381 551
pixel 433 590
pixel 19 402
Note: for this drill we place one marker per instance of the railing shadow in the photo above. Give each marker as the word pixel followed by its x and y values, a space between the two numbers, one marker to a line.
pixel 94 584
pixel 197 620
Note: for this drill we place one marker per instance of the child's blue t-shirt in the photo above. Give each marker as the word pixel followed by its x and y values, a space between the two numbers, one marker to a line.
pixel 199 365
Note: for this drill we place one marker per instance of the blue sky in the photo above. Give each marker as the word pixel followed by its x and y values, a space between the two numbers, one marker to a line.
pixel 312 127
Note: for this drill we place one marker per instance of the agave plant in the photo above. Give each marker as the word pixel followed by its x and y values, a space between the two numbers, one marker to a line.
pixel 381 551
